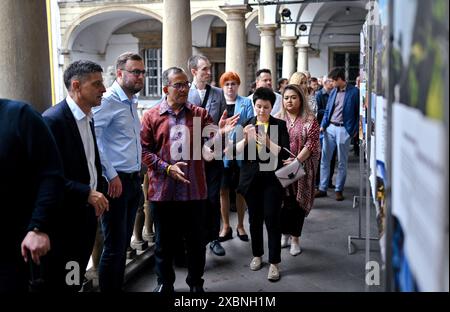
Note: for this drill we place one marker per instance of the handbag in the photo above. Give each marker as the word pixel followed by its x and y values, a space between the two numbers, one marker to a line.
pixel 290 173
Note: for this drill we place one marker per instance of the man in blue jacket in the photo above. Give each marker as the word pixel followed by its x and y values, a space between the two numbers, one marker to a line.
pixel 339 125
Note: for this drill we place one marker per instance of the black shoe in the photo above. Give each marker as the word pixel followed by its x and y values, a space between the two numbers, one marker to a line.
pixel 243 237
pixel 217 248
pixel 196 289
pixel 331 186
pixel 227 236
pixel 161 288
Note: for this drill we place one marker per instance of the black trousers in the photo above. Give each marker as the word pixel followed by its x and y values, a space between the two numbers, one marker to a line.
pixel 214 173
pixel 72 245
pixel 14 276
pixel 292 217
pixel 264 199
pixel 175 221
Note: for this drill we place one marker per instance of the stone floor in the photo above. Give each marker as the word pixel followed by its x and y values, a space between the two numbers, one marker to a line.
pixel 325 264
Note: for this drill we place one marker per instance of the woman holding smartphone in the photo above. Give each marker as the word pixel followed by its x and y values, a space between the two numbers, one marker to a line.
pixel 264 152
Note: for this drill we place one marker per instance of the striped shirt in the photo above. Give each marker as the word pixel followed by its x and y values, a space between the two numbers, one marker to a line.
pixel 163 137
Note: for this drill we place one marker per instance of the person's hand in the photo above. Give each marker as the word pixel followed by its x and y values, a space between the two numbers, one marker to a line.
pixel 226 125
pixel 322 129
pixel 207 153
pixel 176 173
pixel 262 139
pixel 288 161
pixel 250 133
pixel 37 243
pixel 115 188
pixel 99 202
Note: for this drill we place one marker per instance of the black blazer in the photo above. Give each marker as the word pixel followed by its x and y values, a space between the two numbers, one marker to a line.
pixel 76 173
pixel 251 167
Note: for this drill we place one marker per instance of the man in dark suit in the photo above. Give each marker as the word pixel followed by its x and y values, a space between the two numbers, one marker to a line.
pixel 30 191
pixel 72 126
pixel 213 100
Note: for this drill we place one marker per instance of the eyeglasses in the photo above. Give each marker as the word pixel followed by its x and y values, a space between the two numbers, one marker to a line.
pixel 181 85
pixel 136 72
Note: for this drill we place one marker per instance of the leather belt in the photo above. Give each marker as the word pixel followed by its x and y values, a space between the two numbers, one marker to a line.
pixel 337 124
pixel 129 175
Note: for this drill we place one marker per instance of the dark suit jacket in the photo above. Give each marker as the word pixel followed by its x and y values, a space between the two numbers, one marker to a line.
pixel 251 167
pixel 64 128
pixel 31 177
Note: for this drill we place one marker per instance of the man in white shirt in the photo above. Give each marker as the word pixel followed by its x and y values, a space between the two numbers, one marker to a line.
pixel 264 80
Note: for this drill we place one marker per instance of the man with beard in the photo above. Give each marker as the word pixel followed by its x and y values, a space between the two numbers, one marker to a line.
pixel 117 128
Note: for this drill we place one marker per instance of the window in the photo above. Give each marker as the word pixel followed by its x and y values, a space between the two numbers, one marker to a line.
pixel 153 80
pixel 349 61
pixel 218 37
pixel 279 70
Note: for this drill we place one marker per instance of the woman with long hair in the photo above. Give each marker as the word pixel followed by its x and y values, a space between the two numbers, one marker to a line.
pixel 304 142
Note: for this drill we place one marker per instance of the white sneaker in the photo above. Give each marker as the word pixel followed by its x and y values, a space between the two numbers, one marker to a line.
pixel 295 249
pixel 274 273
pixel 256 264
pixel 284 240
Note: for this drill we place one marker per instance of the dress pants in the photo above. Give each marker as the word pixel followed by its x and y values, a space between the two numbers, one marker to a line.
pixel 214 173
pixel 175 220
pixel 117 227
pixel 264 199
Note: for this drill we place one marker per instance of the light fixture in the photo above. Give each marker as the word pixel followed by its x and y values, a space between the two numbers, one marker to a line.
pixel 303 27
pixel 347 11
pixel 286 15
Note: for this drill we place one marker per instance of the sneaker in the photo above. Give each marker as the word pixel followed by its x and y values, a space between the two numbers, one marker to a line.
pixel 274 273
pixel 217 248
pixel 256 264
pixel 284 240
pixel 295 249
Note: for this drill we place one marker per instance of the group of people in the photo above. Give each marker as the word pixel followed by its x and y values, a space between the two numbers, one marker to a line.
pixel 200 144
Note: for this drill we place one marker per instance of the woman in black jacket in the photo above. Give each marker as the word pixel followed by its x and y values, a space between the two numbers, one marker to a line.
pixel 264 145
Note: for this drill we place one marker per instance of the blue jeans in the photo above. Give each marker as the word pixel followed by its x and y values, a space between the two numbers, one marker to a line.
pixel 117 226
pixel 334 137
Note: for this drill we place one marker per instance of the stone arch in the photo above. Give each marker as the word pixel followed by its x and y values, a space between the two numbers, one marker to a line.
pixel 77 26
pixel 254 14
pixel 203 12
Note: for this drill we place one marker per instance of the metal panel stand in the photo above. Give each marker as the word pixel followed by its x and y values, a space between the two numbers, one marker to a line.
pixel 360 237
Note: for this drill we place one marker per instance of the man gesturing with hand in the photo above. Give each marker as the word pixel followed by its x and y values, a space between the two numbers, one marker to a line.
pixel 177 182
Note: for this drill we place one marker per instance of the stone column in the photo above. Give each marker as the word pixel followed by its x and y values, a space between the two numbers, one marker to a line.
pixel 302 63
pixel 24 49
pixel 236 49
pixel 288 56
pixel 177 33
pixel 267 52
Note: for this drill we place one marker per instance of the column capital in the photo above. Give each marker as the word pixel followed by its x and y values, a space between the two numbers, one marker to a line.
pixel 236 12
pixel 302 46
pixel 288 41
pixel 267 29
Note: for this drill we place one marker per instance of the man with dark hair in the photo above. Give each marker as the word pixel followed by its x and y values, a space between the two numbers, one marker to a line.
pixel 71 123
pixel 340 123
pixel 264 80
pixel 322 97
pixel 213 100
pixel 281 84
pixel 117 127
pixel 28 154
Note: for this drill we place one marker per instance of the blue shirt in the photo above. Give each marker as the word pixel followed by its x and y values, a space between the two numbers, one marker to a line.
pixel 117 127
